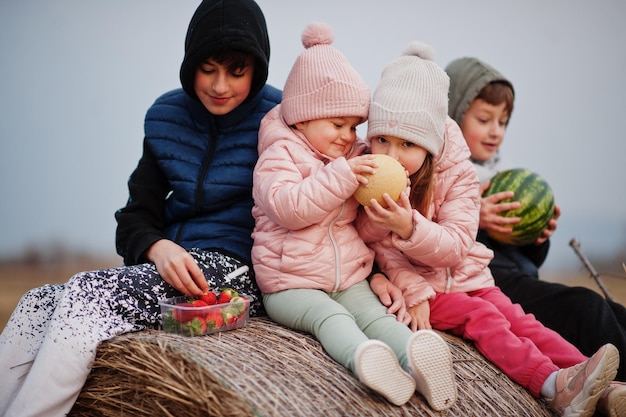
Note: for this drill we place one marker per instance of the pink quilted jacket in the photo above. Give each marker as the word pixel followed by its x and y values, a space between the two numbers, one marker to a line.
pixel 304 235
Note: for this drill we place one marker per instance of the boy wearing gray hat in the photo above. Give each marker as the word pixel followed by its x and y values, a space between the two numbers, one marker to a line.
pixel 481 102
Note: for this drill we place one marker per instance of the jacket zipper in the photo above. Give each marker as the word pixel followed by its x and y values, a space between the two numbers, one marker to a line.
pixel 448 281
pixel 336 249
pixel 205 168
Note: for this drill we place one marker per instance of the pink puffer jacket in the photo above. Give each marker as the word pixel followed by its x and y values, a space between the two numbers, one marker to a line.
pixel 442 254
pixel 304 211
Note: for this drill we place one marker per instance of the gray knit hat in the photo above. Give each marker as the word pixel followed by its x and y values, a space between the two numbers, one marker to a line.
pixel 468 76
pixel 411 100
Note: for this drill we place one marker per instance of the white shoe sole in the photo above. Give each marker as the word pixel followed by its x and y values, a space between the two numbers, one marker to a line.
pixel 430 362
pixel 378 368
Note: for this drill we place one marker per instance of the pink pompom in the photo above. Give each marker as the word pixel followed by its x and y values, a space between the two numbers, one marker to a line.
pixel 317 33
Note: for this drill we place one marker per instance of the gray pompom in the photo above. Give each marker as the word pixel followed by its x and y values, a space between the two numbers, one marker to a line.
pixel 421 50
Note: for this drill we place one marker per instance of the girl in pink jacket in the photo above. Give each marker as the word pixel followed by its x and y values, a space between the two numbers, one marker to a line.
pixel 425 244
pixel 309 261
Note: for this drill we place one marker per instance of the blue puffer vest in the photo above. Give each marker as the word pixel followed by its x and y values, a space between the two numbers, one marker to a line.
pixel 208 160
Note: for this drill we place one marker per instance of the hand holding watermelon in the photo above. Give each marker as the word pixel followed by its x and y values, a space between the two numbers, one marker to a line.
pixel 527 212
pixel 492 205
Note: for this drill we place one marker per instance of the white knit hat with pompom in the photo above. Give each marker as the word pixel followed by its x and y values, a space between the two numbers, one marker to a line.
pixel 411 100
pixel 322 83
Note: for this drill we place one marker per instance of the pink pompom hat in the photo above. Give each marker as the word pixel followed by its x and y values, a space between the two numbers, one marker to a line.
pixel 322 83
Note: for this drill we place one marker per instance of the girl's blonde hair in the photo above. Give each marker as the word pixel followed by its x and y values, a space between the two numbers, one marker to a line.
pixel 422 186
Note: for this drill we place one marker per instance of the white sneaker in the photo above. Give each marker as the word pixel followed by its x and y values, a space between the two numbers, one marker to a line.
pixel 378 368
pixel 430 363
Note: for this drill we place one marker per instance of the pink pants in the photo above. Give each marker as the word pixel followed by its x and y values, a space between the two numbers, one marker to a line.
pixel 516 342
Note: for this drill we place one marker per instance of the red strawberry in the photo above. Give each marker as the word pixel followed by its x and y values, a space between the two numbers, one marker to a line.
pixel 214 320
pixel 226 295
pixel 185 313
pixel 188 310
pixel 209 297
pixel 199 303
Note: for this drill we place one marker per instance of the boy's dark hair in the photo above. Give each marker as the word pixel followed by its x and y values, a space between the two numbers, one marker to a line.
pixel 233 60
pixel 496 93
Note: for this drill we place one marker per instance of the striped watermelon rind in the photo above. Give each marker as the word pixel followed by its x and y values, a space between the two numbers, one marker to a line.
pixel 537 205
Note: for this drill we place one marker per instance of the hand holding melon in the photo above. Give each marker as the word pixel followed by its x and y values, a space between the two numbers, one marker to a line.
pixel 536 205
pixel 390 178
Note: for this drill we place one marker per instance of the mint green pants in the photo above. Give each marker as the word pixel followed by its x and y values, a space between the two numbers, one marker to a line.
pixel 341 321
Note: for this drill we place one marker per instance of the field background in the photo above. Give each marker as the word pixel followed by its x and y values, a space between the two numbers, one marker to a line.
pixel 18 277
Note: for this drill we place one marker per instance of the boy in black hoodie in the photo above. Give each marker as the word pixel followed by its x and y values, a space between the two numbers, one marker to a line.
pixel 185 228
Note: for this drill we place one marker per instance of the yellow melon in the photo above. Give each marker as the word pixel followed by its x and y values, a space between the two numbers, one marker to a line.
pixel 390 178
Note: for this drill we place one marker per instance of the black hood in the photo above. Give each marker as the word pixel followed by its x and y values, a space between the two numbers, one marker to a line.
pixel 226 25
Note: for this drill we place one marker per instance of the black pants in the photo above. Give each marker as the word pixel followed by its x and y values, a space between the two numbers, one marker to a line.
pixel 580 315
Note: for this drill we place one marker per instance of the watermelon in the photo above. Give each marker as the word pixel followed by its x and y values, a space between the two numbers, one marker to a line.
pixel 537 205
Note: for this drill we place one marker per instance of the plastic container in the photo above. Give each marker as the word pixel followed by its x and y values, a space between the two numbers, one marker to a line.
pixel 188 320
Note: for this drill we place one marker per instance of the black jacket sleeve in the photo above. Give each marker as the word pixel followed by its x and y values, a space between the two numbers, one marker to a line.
pixel 140 223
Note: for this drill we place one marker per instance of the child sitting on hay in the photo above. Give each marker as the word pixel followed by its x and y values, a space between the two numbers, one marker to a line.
pixel 481 102
pixel 187 220
pixel 309 261
pixel 426 244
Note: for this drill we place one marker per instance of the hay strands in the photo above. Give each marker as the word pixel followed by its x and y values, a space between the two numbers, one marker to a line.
pixel 267 370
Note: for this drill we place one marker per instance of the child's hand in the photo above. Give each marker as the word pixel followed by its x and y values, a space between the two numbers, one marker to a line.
pixel 363 164
pixel 177 267
pixel 398 217
pixel 490 210
pixel 549 231
pixel 420 316
pixel 390 296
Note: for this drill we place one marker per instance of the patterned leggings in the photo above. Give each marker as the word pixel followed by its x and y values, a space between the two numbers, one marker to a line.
pixel 50 341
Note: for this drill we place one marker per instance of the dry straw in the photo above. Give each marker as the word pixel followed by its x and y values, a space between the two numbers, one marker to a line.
pixel 265 369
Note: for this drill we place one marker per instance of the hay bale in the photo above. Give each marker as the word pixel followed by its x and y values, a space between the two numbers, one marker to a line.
pixel 267 370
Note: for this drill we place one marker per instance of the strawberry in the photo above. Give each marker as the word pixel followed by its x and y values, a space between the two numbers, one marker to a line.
pixel 226 295
pixel 190 309
pixel 199 303
pixel 195 327
pixel 214 320
pixel 239 304
pixel 185 313
pixel 209 297
pixel 230 315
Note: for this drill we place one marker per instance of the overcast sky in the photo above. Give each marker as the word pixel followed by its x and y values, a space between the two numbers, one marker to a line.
pixel 76 78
